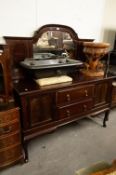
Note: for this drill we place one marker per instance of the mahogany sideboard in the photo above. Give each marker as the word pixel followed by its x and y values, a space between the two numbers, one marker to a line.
pixel 43 109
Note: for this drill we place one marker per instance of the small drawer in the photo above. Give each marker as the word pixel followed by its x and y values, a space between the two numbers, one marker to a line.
pixel 75 109
pixel 74 94
pixel 9 129
pixel 8 116
pixel 11 154
pixel 10 140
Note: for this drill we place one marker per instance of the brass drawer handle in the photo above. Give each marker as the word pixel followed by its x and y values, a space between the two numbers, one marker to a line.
pixel 68 97
pixel 6 130
pixel 85 107
pixel 68 113
pixel 86 93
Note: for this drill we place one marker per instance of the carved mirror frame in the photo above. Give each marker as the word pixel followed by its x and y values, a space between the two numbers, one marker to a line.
pixel 58 28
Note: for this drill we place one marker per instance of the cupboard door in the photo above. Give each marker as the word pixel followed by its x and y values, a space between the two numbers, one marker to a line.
pixel 102 90
pixel 39 109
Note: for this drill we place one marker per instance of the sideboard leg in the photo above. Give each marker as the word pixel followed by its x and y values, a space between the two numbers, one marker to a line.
pixel 26 158
pixel 106 117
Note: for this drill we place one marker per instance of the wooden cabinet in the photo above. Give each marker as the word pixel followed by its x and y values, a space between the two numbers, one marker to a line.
pixel 43 109
pixel 10 137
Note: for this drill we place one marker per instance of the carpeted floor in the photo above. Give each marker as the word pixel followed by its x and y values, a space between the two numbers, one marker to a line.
pixel 70 148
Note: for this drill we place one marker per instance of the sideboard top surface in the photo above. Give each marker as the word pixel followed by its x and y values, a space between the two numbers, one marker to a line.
pixel 26 86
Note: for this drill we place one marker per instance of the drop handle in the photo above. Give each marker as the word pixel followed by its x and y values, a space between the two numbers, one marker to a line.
pixel 86 93
pixel 6 130
pixel 68 113
pixel 85 107
pixel 68 97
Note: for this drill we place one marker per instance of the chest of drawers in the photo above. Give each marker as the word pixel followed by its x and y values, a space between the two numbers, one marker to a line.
pixel 10 137
pixel 74 101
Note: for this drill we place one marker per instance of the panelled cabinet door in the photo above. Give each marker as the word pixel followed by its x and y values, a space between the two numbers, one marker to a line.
pixel 39 109
pixel 102 89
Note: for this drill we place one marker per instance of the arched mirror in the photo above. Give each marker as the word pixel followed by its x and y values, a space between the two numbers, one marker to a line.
pixel 55 39
pixel 54 50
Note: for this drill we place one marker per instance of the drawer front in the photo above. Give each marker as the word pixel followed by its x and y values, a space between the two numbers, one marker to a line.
pixel 74 94
pixel 9 116
pixel 9 129
pixel 10 154
pixel 10 140
pixel 75 109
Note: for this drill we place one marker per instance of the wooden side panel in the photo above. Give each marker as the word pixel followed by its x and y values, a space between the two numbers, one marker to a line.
pixel 114 96
pixel 102 93
pixel 6 85
pixel 20 48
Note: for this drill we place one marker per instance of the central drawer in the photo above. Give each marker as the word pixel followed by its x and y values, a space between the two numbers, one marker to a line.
pixel 75 109
pixel 71 95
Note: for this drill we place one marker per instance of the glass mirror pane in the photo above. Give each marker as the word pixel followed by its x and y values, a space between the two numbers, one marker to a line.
pixel 55 41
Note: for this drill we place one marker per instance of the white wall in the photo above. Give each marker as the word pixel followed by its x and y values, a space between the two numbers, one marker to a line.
pixel 85 16
pixel 22 17
pixel 109 22
pixel 17 17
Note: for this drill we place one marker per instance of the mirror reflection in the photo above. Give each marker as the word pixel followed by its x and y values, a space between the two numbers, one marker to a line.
pixel 53 39
pixel 55 42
